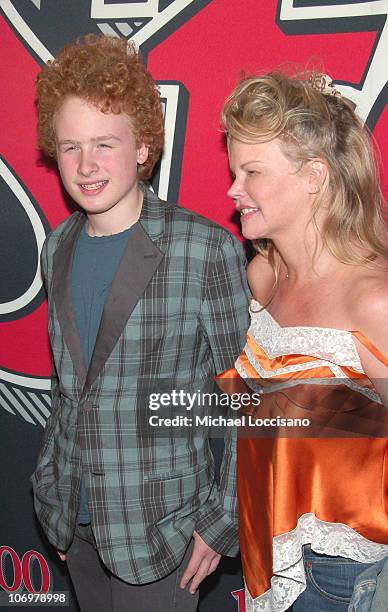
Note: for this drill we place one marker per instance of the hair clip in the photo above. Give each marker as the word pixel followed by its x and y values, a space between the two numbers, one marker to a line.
pixel 324 84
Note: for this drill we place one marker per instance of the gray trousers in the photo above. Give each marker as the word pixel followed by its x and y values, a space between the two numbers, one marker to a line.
pixel 98 590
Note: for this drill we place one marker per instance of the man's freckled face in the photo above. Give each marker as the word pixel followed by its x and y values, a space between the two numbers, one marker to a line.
pixel 97 156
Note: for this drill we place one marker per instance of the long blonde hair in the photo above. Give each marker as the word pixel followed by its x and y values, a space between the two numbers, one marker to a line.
pixel 311 124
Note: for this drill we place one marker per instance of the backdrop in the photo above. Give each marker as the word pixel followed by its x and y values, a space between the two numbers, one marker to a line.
pixel 196 50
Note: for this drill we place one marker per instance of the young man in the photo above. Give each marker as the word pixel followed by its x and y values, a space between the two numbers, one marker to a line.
pixel 143 295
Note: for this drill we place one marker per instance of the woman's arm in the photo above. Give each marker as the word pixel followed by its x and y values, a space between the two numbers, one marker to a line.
pixel 370 315
pixel 261 278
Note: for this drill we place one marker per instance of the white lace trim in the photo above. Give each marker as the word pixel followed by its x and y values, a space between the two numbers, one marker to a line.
pixel 277 385
pixel 289 581
pixel 296 367
pixel 329 344
pixel 334 348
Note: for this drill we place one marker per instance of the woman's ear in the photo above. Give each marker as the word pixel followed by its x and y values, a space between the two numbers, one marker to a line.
pixel 317 174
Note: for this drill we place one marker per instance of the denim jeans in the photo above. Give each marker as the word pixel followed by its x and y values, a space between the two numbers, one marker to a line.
pixel 371 590
pixel 330 582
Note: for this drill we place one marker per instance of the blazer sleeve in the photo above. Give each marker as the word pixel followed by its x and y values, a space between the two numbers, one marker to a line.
pixel 46 274
pixel 224 316
pixel 43 477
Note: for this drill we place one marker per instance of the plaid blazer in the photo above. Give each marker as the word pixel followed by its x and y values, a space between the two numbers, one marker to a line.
pixel 176 314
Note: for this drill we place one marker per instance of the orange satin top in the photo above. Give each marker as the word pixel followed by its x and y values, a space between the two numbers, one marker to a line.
pixel 329 490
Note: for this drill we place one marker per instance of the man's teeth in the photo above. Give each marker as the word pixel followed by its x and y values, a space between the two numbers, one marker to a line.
pixel 245 211
pixel 93 185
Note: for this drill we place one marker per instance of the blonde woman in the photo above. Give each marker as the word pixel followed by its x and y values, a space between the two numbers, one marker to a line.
pixel 313 510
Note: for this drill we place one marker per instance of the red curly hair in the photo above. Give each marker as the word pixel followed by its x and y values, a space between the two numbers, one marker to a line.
pixel 107 72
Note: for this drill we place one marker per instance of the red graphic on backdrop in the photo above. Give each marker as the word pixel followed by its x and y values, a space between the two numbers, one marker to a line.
pixel 216 44
pixel 204 50
pixel 22 571
pixel 240 596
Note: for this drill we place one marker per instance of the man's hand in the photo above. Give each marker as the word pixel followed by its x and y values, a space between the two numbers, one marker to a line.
pixel 203 562
pixel 62 555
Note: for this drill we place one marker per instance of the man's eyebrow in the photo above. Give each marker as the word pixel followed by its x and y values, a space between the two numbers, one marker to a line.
pixel 96 139
pixel 107 137
pixel 62 142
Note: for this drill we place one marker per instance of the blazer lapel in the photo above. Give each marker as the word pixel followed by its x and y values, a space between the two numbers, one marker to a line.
pixel 62 264
pixel 137 266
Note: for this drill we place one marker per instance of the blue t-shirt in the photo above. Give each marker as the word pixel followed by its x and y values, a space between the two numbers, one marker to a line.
pixel 95 262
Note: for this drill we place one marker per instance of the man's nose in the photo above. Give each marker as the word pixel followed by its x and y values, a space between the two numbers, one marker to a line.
pixel 87 164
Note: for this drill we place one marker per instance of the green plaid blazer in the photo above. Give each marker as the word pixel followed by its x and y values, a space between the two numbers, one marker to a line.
pixel 176 314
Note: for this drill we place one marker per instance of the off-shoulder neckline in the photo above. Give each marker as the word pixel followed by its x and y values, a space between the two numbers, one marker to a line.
pixel 292 327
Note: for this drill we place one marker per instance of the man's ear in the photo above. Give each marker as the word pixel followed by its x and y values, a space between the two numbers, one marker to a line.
pixel 142 153
pixel 317 174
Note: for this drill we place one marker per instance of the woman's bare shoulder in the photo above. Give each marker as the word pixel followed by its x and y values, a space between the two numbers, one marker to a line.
pixel 368 297
pixel 261 277
pixel 368 307
pixel 369 316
